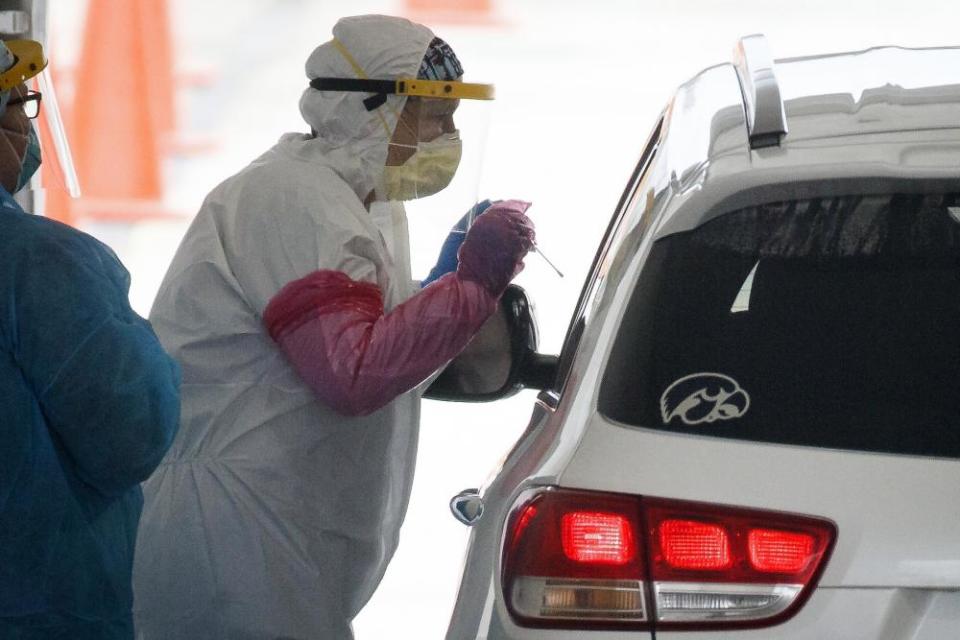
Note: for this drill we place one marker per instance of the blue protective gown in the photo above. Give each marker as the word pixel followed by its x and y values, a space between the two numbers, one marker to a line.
pixel 88 406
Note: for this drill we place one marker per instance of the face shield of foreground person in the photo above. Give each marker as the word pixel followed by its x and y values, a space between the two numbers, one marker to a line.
pixel 305 345
pixel 89 405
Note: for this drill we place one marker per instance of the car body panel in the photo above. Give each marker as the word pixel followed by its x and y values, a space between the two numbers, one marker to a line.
pixel 847 614
pixel 879 502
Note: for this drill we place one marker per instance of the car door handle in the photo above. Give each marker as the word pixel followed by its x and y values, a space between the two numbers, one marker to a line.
pixel 467 506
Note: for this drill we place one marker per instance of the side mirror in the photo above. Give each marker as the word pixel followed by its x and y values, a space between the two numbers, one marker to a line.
pixel 502 358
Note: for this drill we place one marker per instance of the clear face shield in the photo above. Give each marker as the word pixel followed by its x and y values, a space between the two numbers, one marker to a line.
pixel 59 171
pixel 428 153
pixel 40 105
pixel 435 162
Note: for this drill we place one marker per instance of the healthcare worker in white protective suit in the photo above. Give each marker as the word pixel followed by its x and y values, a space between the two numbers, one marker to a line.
pixel 304 344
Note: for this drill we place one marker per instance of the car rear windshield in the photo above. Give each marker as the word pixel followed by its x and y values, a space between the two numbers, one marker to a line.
pixel 830 322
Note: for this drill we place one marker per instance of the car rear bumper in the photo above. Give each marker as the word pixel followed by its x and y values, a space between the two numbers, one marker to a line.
pixel 848 613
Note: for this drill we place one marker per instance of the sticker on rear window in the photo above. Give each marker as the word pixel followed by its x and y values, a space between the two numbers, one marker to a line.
pixel 704 398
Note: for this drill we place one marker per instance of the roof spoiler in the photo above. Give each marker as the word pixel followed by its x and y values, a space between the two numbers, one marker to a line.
pixel 766 118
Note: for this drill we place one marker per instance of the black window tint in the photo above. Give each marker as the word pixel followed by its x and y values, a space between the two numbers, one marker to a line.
pixel 828 322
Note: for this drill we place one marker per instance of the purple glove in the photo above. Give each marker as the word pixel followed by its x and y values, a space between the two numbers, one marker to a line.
pixel 493 251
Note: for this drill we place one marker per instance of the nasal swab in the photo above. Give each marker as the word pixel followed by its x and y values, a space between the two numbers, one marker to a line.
pixel 552 266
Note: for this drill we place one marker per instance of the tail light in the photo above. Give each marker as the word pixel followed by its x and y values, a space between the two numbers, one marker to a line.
pixel 578 559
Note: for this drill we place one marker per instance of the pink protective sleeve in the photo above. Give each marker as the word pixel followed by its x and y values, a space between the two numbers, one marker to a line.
pixel 356 358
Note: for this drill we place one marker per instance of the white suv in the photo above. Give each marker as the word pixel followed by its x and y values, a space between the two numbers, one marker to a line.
pixel 755 419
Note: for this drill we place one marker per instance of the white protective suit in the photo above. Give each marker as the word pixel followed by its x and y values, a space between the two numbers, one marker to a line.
pixel 273 516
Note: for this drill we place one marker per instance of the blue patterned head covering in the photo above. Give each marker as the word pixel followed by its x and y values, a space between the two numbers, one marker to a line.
pixel 440 63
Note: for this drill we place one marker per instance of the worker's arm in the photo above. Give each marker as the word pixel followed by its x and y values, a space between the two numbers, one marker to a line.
pixel 356 357
pixel 108 391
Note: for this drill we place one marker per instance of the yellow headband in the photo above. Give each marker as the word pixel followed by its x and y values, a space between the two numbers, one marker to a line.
pixel 29 62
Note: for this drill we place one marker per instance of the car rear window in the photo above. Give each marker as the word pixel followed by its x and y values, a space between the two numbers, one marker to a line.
pixel 830 322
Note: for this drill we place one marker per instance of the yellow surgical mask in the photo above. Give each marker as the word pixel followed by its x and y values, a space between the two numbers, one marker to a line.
pixel 429 170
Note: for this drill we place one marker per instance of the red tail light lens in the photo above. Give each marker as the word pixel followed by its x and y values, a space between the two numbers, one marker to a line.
pixel 600 538
pixel 575 562
pixel 688 544
pixel 780 551
pixel 578 559
pixel 527 514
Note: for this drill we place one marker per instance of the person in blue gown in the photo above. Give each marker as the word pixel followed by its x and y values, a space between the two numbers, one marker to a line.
pixel 89 404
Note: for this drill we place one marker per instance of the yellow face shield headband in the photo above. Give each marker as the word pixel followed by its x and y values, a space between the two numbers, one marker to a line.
pixel 29 62
pixel 451 90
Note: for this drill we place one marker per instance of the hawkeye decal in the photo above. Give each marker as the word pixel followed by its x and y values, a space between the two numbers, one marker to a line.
pixel 702 398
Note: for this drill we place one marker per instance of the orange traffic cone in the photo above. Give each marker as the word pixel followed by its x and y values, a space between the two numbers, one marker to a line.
pixel 450 11
pixel 158 39
pixel 160 60
pixel 115 117
pixel 158 57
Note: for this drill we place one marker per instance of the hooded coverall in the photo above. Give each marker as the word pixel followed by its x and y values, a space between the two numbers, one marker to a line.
pixel 303 350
